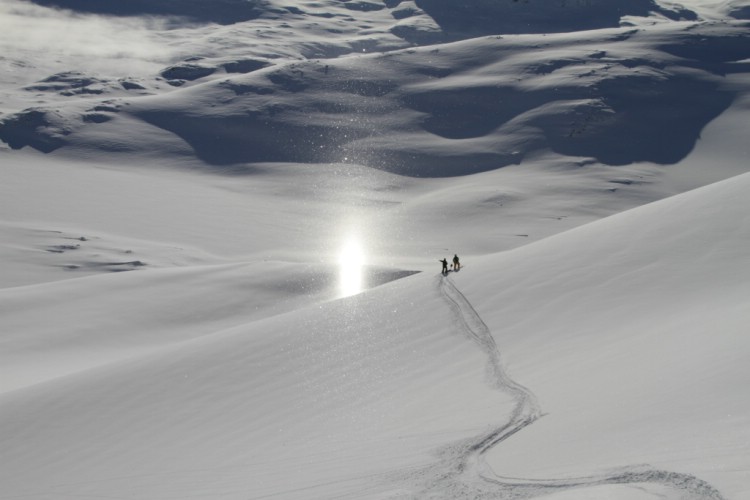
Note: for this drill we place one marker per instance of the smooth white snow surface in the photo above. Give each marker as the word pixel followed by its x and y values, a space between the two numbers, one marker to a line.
pixel 220 232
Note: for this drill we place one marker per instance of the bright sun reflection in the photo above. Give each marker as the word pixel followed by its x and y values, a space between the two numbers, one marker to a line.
pixel 351 268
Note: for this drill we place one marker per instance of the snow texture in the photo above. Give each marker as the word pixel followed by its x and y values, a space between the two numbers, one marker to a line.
pixel 221 225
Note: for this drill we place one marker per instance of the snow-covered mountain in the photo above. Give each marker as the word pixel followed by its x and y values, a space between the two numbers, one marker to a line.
pixel 618 95
pixel 221 225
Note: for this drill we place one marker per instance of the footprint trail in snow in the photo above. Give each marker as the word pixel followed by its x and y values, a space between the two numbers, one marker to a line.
pixel 464 473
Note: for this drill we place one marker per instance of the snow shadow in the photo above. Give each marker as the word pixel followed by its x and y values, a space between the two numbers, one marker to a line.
pixel 438 112
pixel 216 11
pixel 461 19
pixel 623 117
pixel 634 119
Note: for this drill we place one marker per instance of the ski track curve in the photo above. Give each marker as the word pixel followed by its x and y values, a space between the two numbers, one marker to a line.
pixel 463 471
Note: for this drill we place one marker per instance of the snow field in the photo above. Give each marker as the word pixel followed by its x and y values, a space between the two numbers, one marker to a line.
pixel 219 244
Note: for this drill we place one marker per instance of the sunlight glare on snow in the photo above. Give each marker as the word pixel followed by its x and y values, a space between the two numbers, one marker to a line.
pixel 351 270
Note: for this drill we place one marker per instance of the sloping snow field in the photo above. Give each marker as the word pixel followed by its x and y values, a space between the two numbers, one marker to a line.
pixel 220 231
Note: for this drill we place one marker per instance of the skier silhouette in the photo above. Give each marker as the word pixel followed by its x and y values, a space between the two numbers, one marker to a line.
pixel 456 265
pixel 445 265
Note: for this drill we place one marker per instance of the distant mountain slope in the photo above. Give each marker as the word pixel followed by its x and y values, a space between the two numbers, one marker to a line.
pixel 219 11
pixel 491 17
pixel 618 96
pixel 457 19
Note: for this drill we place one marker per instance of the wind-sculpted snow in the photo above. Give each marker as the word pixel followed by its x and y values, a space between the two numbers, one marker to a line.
pixel 466 107
pixel 451 110
pixel 295 85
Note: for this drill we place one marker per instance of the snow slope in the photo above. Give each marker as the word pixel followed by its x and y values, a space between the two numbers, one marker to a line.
pixel 219 235
pixel 352 397
pixel 636 345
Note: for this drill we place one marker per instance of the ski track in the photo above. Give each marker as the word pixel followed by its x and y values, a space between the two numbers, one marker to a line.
pixel 463 472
